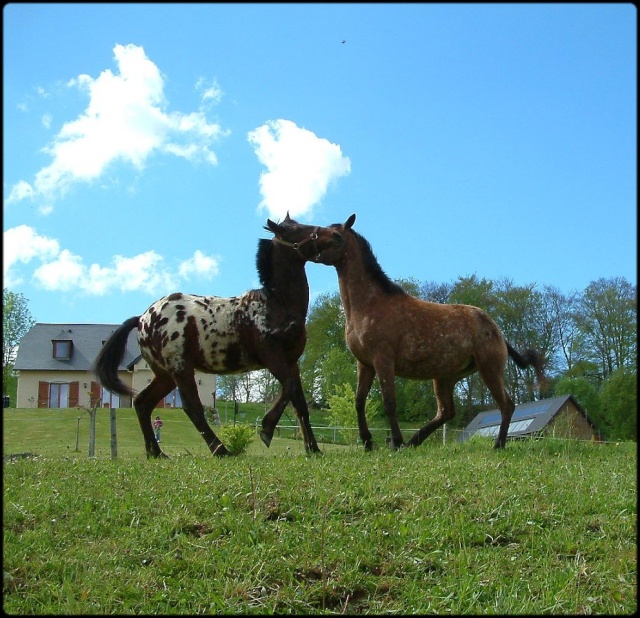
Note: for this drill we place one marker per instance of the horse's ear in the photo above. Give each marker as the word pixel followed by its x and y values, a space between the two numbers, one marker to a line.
pixel 273 227
pixel 288 218
pixel 350 221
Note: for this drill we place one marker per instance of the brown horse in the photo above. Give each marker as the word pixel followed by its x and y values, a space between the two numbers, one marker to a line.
pixel 393 333
pixel 181 333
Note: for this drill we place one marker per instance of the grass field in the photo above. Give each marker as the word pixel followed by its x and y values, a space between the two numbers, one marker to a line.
pixel 541 527
pixel 65 432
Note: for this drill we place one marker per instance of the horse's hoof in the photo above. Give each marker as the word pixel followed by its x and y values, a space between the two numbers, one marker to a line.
pixel 158 455
pixel 266 438
pixel 221 451
pixel 314 451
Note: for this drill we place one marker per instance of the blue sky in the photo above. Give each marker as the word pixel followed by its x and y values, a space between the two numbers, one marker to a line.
pixel 145 146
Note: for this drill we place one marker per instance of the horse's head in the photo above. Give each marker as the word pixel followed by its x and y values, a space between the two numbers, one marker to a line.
pixel 332 255
pixel 310 242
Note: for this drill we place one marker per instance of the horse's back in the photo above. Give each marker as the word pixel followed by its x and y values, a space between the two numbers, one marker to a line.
pixel 209 333
pixel 427 339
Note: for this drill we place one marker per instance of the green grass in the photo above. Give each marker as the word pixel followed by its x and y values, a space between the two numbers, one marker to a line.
pixel 541 527
pixel 65 432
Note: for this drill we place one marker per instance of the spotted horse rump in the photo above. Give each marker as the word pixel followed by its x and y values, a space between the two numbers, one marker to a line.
pixel 264 328
pixel 215 332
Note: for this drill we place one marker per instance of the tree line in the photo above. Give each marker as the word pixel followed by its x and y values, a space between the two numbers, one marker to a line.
pixel 588 338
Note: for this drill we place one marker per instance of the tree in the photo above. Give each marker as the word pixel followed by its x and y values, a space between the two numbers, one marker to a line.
pixel 586 394
pixel 16 322
pixel 342 411
pixel 265 386
pixel 325 334
pixel 568 340
pixel 521 315
pixel 607 316
pixel 620 404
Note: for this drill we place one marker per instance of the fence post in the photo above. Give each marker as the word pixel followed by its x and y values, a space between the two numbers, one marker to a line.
pixel 78 435
pixel 444 434
pixel 114 438
pixel 92 431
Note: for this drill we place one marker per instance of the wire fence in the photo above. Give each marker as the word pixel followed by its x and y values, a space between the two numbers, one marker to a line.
pixel 350 435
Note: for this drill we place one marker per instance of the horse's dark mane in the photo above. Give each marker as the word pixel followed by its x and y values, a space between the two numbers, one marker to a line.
pixel 372 266
pixel 264 263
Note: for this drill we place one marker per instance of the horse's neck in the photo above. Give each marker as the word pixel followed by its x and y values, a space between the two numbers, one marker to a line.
pixel 290 288
pixel 357 288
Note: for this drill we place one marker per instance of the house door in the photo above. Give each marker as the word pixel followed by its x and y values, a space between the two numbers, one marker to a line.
pixel 59 395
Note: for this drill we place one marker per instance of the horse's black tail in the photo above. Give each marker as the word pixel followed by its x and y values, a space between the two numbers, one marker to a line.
pixel 110 357
pixel 529 358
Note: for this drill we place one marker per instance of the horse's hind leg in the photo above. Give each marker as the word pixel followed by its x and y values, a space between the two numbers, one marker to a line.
pixel 192 406
pixel 144 403
pixel 495 384
pixel 366 375
pixel 506 405
pixel 444 396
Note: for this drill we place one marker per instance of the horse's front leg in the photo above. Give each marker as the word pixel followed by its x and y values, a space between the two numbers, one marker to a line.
pixel 272 417
pixel 289 378
pixel 365 380
pixel 386 377
pixel 299 403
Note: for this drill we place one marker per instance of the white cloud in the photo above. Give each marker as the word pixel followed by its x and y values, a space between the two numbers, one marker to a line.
pixel 210 92
pixel 300 166
pixel 63 271
pixel 20 191
pixel 126 120
pixel 23 244
pixel 200 264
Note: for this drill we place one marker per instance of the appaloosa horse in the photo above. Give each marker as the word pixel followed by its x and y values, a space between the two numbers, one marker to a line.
pixel 261 328
pixel 393 333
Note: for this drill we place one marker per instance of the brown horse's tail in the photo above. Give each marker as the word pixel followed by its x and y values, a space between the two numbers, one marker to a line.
pixel 110 357
pixel 529 358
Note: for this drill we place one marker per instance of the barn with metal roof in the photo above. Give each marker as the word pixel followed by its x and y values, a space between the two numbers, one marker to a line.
pixel 560 417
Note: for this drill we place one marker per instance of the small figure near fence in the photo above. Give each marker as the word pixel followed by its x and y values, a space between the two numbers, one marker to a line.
pixel 157 424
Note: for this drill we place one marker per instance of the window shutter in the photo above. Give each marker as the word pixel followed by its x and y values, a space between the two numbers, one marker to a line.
pixel 96 393
pixel 74 394
pixel 43 394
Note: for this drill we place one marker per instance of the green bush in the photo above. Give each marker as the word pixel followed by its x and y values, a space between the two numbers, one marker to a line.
pixel 342 411
pixel 236 437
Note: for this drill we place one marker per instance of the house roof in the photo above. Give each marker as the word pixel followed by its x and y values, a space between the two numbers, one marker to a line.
pixel 35 352
pixel 528 418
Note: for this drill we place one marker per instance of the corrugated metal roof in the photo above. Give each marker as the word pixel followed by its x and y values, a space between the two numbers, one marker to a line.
pixel 528 418
pixel 35 352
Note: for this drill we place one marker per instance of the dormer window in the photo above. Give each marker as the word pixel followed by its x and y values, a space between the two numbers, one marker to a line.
pixel 62 349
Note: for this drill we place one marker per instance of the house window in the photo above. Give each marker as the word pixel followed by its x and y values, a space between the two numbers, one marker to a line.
pixel 62 349
pixel 109 399
pixel 59 396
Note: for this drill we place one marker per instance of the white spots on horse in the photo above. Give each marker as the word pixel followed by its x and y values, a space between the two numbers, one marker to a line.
pixel 204 330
